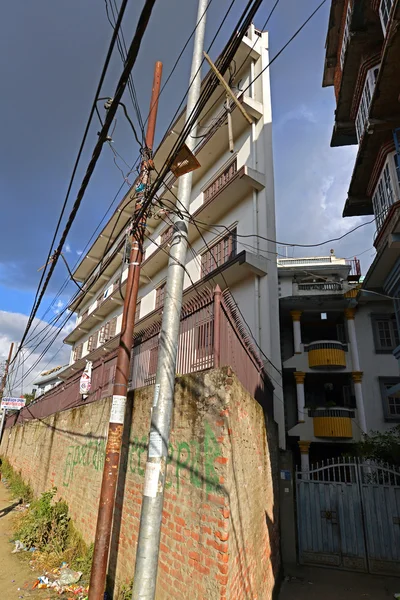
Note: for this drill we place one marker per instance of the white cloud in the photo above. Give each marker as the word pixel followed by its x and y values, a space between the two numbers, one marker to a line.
pixel 301 113
pixel 79 252
pixel 67 248
pixel 12 326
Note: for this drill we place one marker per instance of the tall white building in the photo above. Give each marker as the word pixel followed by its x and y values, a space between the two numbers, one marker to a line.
pixel 232 202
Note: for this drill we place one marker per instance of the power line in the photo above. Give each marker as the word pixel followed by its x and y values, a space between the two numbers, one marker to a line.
pixel 92 110
pixel 130 62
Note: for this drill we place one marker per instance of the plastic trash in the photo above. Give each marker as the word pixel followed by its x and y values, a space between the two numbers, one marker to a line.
pixel 19 547
pixel 67 577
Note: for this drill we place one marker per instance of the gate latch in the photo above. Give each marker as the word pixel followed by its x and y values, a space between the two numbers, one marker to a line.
pixel 329 515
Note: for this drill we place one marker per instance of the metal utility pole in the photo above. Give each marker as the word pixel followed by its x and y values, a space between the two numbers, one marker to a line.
pixel 120 388
pixel 144 581
pixel 2 388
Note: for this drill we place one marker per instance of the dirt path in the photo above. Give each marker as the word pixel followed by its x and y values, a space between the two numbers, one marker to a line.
pixel 14 570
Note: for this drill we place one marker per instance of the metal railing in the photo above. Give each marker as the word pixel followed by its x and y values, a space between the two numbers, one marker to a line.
pixel 220 181
pixel 211 336
pixel 321 286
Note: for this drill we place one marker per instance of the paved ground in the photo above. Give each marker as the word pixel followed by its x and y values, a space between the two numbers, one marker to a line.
pixel 313 583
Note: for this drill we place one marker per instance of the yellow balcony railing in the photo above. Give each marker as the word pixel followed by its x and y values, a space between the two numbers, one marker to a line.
pixel 332 423
pixel 326 354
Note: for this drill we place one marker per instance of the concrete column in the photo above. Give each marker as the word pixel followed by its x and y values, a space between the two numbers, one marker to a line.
pixel 296 314
pixel 350 314
pixel 305 456
pixel 357 379
pixel 301 401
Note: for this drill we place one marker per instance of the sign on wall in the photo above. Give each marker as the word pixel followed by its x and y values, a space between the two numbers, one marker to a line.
pixel 13 403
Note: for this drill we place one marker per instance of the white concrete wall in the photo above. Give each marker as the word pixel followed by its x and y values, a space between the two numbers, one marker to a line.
pixel 257 297
pixel 373 365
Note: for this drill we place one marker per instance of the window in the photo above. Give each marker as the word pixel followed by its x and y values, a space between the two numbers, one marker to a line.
pixel 220 181
pixel 92 341
pixel 366 97
pixel 386 335
pixel 160 294
pixel 346 35
pixel 384 195
pixel 390 400
pixel 166 235
pixel 78 352
pixel 219 253
pixel 384 13
pixel 113 328
pixel 137 312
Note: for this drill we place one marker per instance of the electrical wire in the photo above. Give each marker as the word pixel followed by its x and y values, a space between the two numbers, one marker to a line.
pixel 130 62
pixel 86 132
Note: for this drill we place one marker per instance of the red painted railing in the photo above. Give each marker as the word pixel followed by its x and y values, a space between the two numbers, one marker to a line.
pixel 211 335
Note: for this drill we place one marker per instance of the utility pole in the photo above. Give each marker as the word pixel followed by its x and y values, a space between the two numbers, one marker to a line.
pixel 2 388
pixel 120 387
pixel 144 581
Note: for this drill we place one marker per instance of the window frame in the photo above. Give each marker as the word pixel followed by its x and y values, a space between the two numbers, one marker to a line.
pixel 387 190
pixel 385 10
pixel 365 100
pixel 346 34
pixel 160 295
pixel 393 331
pixel 219 252
pixel 383 383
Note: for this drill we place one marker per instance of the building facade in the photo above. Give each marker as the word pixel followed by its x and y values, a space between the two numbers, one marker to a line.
pixel 337 360
pixel 362 63
pixel 48 379
pixel 232 203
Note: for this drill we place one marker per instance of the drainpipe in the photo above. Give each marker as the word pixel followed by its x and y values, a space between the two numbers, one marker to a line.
pixel 255 216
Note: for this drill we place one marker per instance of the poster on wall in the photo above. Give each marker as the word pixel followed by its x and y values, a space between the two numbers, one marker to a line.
pixel 13 403
pixel 86 380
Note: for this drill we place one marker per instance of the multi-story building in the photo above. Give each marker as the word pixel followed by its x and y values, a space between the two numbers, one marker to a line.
pixel 337 361
pixel 48 379
pixel 362 63
pixel 232 203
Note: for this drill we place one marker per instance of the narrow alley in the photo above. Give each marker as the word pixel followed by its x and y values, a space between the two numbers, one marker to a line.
pixel 313 583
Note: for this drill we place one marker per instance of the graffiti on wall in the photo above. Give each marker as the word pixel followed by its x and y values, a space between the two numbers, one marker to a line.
pixel 192 461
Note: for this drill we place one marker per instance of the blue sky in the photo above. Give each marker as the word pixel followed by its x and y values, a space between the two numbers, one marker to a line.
pixel 51 54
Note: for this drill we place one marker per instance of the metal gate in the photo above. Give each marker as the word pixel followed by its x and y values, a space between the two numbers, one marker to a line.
pixel 348 516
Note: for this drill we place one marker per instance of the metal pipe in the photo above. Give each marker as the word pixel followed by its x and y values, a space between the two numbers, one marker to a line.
pixel 144 581
pixel 120 387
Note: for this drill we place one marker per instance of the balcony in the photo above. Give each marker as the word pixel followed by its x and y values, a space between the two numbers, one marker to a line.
pixel 320 287
pixel 332 423
pixel 326 355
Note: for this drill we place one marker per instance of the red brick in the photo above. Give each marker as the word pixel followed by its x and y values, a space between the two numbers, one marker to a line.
pixel 195 556
pixel 216 499
pixel 222 579
pixel 222 460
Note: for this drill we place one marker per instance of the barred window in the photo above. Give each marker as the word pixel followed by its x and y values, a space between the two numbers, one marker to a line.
pixel 160 294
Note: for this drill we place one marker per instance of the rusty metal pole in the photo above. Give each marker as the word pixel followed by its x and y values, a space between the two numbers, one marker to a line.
pixel 2 387
pixel 120 387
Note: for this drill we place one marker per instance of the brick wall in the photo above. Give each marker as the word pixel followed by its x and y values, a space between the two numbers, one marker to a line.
pixel 220 527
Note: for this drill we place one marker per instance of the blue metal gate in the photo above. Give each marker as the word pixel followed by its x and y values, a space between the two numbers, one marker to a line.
pixel 348 515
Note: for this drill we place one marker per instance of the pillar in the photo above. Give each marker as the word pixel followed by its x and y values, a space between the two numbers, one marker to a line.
pixel 296 314
pixel 304 455
pixel 299 377
pixel 349 314
pixel 357 379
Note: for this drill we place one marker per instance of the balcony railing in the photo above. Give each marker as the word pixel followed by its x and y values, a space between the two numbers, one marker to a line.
pixel 332 423
pixel 326 354
pixel 321 286
pixel 365 101
pixel 221 181
pixel 211 336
